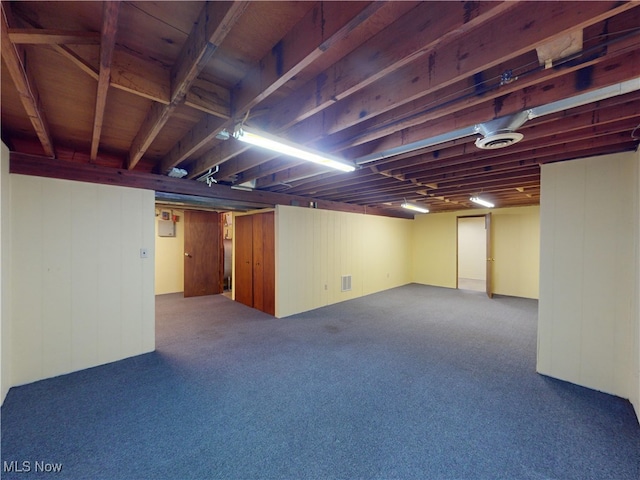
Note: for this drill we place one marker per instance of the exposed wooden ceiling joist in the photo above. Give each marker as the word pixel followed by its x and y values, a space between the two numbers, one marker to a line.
pixel 361 80
pixel 14 59
pixel 213 24
pixel 107 44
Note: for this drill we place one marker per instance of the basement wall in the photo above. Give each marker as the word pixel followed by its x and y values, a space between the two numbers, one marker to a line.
pixel 515 242
pixel 81 295
pixel 169 258
pixel 6 350
pixel 588 330
pixel 315 248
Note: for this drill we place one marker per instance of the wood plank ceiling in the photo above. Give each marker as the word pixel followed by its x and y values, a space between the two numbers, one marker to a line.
pixel 129 90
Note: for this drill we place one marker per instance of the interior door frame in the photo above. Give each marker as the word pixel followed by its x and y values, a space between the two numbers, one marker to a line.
pixel 216 286
pixel 489 258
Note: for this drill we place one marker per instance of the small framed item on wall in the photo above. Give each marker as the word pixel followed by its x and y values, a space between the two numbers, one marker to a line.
pixel 166 228
pixel 166 215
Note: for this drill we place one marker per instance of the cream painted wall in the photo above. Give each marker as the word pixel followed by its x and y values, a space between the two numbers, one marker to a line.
pixel 314 248
pixel 588 272
pixel 635 383
pixel 515 246
pixel 5 275
pixel 82 296
pixel 472 248
pixel 169 258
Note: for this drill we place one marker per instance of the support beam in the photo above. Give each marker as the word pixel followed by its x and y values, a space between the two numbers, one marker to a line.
pixel 109 29
pixel 421 29
pixel 431 106
pixel 479 50
pixel 37 36
pixel 324 27
pixel 213 24
pixel 609 72
pixel 24 83
pixel 53 168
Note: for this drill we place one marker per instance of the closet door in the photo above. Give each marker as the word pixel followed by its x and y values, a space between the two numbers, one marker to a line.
pixel 244 260
pixel 264 262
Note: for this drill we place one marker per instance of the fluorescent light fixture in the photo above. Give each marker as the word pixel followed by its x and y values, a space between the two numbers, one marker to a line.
pixel 271 142
pixel 415 208
pixel 482 202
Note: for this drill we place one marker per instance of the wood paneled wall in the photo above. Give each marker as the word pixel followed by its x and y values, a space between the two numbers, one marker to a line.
pixel 589 222
pixel 5 274
pixel 315 248
pixel 82 296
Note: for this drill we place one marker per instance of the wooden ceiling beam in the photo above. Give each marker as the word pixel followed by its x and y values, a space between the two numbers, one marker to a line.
pixel 322 28
pixel 54 168
pixel 131 73
pixel 438 104
pixel 612 109
pixel 15 60
pixel 524 25
pixel 306 43
pixel 210 98
pixel 604 74
pixel 268 168
pixel 213 24
pixel 211 28
pixel 37 36
pixel 467 189
pixel 431 108
pixel 616 118
pixel 251 158
pixel 582 128
pixel 107 44
pixel 472 165
pixel 512 166
pixel 421 30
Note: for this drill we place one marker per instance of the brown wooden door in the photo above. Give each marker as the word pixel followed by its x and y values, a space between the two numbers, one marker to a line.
pixel 264 262
pixel 487 226
pixel 243 278
pixel 255 261
pixel 203 256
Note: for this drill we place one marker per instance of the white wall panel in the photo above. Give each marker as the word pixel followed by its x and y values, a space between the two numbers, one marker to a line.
pixel 82 296
pixel 27 239
pixel 85 240
pixel 56 278
pixel 315 248
pixel 6 346
pixel 587 272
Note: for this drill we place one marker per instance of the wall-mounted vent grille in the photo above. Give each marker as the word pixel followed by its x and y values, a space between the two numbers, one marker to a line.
pixel 345 285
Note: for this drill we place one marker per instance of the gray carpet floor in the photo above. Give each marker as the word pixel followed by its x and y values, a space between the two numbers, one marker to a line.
pixel 414 383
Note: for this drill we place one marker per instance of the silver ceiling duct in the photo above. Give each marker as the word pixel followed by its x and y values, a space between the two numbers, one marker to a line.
pixel 500 132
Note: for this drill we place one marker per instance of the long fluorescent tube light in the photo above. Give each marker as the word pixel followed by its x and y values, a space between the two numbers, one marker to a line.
pixel 415 208
pixel 271 142
pixel 482 202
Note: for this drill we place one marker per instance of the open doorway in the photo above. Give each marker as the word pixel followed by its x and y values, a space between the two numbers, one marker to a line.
pixel 474 253
pixel 192 256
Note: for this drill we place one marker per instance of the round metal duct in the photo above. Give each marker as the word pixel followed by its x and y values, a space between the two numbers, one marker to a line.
pixel 499 133
pixel 498 140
